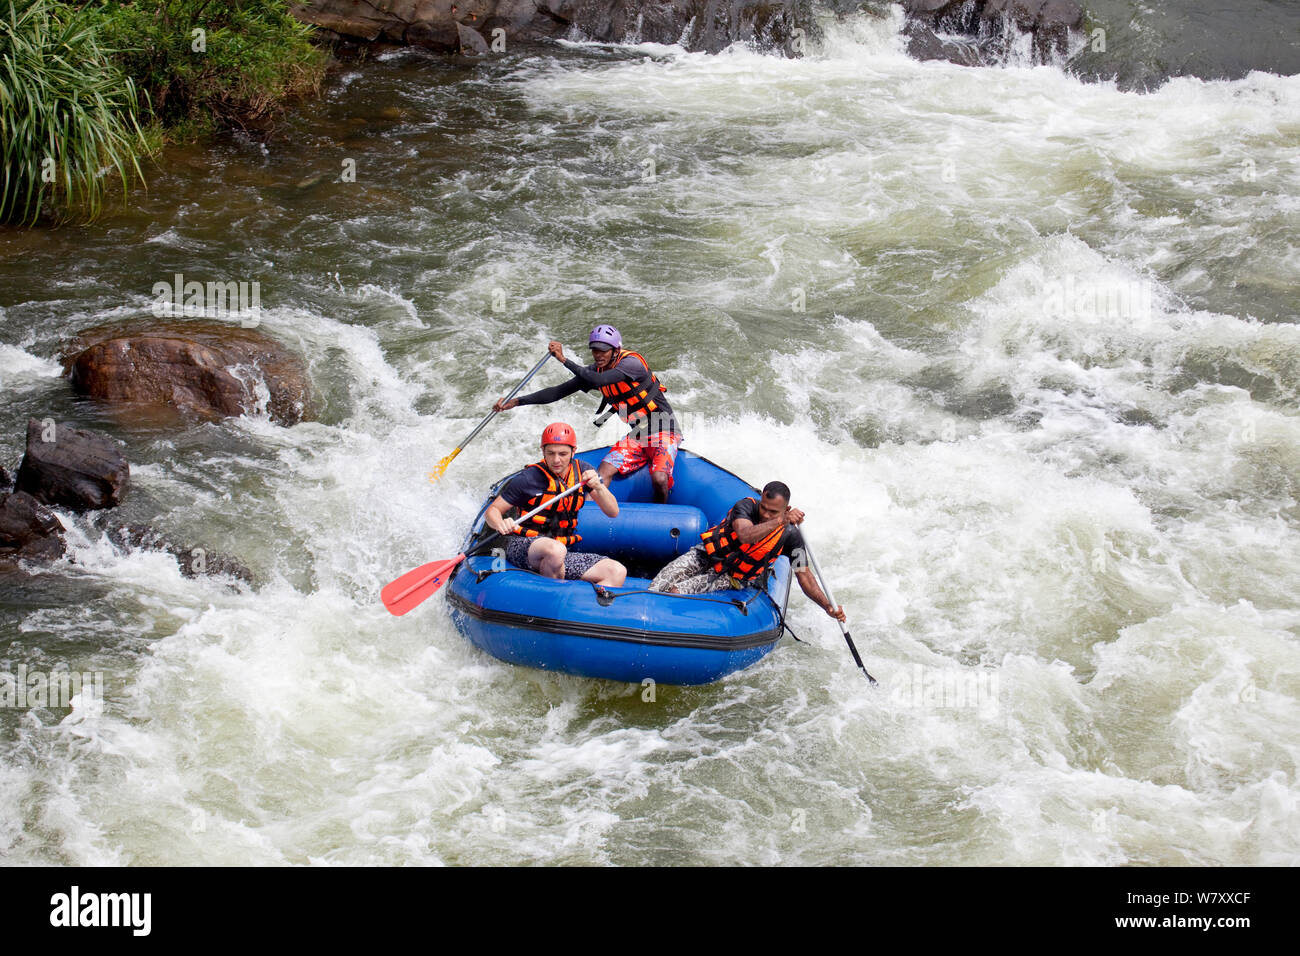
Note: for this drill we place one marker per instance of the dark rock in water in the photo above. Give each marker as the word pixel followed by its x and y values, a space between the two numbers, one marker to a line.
pixel 209 368
pixel 442 35
pixel 708 25
pixel 1056 21
pixel 193 561
pixel 28 530
pixel 924 44
pixel 73 468
pixel 950 16
pixel 716 24
pixel 1023 12
pixel 988 24
pixel 471 41
pixel 6 479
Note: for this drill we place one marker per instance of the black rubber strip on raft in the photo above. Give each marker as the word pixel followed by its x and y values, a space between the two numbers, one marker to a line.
pixel 632 635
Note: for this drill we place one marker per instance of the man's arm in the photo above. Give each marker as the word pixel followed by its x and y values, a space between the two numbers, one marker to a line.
pixel 541 397
pixel 748 532
pixel 496 517
pixel 545 396
pixel 603 497
pixel 808 583
pixel 593 379
pixel 514 495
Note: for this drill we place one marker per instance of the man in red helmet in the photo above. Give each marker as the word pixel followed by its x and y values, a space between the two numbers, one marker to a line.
pixel 738 552
pixel 542 543
pixel 629 387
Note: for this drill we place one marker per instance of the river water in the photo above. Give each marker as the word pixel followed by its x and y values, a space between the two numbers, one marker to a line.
pixel 1024 347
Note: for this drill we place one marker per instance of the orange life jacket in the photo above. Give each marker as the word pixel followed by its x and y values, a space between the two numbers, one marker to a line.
pixel 560 520
pixel 632 400
pixel 744 562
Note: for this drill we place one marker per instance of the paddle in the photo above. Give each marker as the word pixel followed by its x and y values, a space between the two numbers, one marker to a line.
pixel 844 628
pixel 413 587
pixel 441 467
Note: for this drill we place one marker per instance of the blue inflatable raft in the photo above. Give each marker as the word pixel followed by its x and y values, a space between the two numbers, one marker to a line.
pixel 626 633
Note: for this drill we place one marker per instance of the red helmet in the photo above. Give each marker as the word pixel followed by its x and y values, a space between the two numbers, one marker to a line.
pixel 559 433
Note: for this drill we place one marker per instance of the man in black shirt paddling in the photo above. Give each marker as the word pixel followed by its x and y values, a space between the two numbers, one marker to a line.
pixel 626 384
pixel 543 542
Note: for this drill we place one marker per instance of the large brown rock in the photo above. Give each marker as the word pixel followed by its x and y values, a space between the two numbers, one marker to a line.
pixel 28 530
pixel 208 368
pixel 72 468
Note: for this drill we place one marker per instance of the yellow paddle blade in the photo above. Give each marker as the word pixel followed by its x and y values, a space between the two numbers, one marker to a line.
pixel 440 468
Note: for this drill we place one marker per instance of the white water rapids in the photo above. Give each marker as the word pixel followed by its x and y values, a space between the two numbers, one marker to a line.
pixel 1039 406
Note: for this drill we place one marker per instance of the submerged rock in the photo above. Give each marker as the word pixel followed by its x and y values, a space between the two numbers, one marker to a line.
pixel 193 561
pixel 72 468
pixel 208 368
pixel 28 530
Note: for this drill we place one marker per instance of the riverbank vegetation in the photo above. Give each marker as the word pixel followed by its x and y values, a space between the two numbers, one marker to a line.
pixel 89 90
pixel 202 65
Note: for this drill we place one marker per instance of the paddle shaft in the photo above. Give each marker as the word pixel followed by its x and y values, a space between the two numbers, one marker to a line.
pixel 398 598
pixel 522 518
pixel 492 414
pixel 826 589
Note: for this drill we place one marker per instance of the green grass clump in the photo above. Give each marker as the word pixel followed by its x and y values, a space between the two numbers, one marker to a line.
pixel 203 65
pixel 88 89
pixel 67 114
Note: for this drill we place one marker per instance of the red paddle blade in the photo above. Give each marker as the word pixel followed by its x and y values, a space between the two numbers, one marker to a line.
pixel 414 587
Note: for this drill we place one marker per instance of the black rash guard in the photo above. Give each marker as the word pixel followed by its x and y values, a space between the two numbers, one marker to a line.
pixel 585 378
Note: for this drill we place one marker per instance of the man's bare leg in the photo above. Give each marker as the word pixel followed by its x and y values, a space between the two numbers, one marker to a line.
pixel 660 480
pixel 547 558
pixel 607 573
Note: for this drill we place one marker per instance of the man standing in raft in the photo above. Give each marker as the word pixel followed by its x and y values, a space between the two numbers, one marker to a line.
pixel 542 542
pixel 740 550
pixel 628 385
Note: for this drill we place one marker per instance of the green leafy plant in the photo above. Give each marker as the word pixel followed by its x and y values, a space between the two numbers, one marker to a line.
pixel 67 114
pixel 204 64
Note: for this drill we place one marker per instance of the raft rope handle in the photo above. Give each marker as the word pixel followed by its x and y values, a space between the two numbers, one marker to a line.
pixel 606 597
pixel 781 617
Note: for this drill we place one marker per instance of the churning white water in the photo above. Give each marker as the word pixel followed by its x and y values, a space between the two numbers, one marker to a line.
pixel 1023 347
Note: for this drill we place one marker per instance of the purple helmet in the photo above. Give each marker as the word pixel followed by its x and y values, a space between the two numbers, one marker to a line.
pixel 605 335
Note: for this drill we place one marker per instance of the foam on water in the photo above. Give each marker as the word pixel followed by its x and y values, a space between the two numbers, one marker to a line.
pixel 1047 465
pixel 19 369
